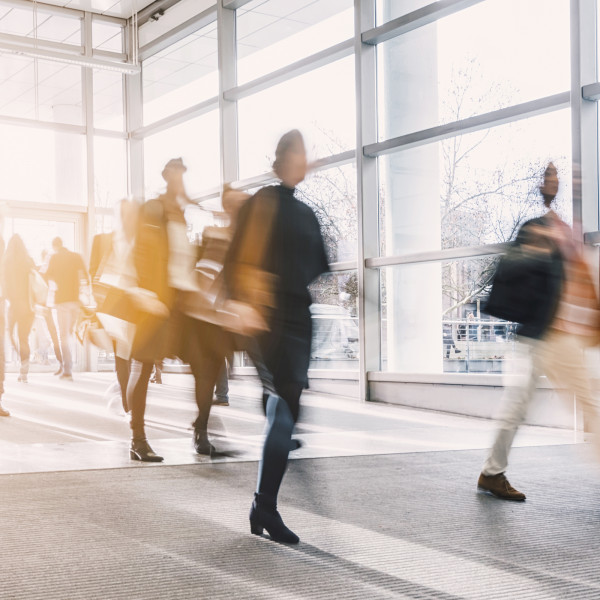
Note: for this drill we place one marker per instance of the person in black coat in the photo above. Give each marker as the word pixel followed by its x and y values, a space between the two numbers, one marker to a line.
pixel 276 281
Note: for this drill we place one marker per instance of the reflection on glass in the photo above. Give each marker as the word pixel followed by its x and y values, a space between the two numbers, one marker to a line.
pixel 334 313
pixel 110 171
pixel 433 319
pixel 331 193
pixel 481 185
pixel 42 165
pixel 463 65
pixel 320 103
pixel 108 100
pixel 197 142
pixel 274 33
pixel 182 75
pixel 41 90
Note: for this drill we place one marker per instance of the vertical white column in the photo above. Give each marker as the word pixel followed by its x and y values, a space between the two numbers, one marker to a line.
pixel 369 303
pixel 412 200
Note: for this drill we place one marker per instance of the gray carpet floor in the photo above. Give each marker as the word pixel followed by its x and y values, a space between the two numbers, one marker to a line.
pixel 376 527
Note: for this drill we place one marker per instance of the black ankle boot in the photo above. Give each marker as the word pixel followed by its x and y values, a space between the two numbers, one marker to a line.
pixel 202 444
pixel 264 515
pixel 141 450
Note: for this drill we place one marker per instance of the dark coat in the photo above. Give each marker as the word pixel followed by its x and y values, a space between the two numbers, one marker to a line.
pixel 527 285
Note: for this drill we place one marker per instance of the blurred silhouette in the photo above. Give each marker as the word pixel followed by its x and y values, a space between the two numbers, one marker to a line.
pixel 67 270
pixel 112 266
pixel 448 341
pixel 17 272
pixel 544 284
pixel 277 251
pixel 3 411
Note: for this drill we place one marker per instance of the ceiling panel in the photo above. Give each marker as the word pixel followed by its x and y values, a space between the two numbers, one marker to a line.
pixel 113 8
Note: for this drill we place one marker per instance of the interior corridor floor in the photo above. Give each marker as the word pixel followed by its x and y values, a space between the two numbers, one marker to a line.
pixel 62 426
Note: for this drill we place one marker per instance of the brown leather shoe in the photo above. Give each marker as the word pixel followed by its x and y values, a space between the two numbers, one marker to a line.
pixel 498 485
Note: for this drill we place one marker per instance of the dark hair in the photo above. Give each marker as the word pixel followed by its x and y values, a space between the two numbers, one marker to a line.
pixel 16 258
pixel 551 171
pixel 288 141
pixel 57 242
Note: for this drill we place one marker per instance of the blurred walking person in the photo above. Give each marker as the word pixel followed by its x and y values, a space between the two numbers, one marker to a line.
pixel 544 284
pixel 112 267
pixel 3 411
pixel 67 270
pixel 276 253
pixel 16 282
pixel 44 313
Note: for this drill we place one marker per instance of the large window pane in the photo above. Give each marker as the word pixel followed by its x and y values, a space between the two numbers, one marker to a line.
pixel 197 142
pixel 110 171
pixel 320 104
pixel 42 165
pixel 108 100
pixel 182 75
pixel 472 189
pixel 335 322
pixel 39 89
pixel 331 193
pixel 432 319
pixel 274 33
pixel 469 63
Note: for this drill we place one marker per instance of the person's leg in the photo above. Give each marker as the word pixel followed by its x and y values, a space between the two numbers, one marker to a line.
pixel 521 383
pixel 281 417
pixel 137 392
pixel 123 371
pixel 49 318
pixel 63 316
pixel 24 325
pixel 565 363
pixel 266 378
pixel 222 387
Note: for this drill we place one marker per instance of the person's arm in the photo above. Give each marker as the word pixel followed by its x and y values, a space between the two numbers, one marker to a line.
pixel 96 255
pixel 49 274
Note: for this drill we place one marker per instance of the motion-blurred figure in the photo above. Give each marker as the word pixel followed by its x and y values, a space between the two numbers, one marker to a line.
pixel 3 411
pixel 111 264
pixel 544 284
pixel 17 271
pixel 68 271
pixel 276 281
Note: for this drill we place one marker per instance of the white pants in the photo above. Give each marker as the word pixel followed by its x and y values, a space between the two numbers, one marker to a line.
pixel 561 357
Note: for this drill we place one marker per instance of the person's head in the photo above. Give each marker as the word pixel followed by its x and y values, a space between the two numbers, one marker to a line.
pixel 173 175
pixel 57 244
pixel 16 253
pixel 290 159
pixel 128 216
pixel 549 187
pixel 232 201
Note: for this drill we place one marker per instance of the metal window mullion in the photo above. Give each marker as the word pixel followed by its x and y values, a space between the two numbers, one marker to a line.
pixel 369 297
pixel 228 109
pixel 470 125
pixel 21 122
pixel 415 19
pixel 235 4
pixel 12 40
pixel 300 67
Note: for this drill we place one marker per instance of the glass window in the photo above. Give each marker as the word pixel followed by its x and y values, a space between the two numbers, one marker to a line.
pixel 335 342
pixel 41 90
pixel 107 36
pixel 108 100
pixel 197 142
pixel 331 193
pixel 43 165
pixel 110 171
pixel 387 10
pixel 320 103
pixel 21 20
pixel 182 75
pixel 490 56
pixel 275 33
pixel 433 320
pixel 481 185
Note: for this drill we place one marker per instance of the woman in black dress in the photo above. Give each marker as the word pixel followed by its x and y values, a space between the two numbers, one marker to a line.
pixel 276 282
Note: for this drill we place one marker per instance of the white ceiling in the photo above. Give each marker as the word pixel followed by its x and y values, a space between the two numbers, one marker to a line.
pixel 113 8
